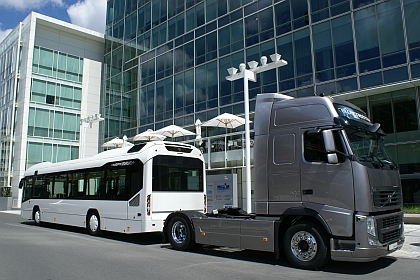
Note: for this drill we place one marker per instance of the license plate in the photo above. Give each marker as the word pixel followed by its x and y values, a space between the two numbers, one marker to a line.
pixel 392 246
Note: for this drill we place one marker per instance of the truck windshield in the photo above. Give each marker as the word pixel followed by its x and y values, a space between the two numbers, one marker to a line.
pixel 368 147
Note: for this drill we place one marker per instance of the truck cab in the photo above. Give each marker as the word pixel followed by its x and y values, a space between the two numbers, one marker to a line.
pixel 322 156
pixel 324 185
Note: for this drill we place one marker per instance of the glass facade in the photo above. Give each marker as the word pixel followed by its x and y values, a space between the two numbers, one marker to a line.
pixel 166 63
pixel 55 103
pixel 9 50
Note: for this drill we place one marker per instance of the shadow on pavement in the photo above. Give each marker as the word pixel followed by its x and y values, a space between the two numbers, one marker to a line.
pixel 348 268
pixel 135 238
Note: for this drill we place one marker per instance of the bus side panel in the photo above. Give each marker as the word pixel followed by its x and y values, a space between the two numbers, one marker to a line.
pixel 164 203
pixel 26 210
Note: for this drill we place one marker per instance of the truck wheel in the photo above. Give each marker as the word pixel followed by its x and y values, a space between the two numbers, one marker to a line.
pixel 179 233
pixel 93 224
pixel 36 216
pixel 305 246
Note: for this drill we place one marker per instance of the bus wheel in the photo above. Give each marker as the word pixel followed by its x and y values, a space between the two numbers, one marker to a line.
pixel 305 246
pixel 179 233
pixel 36 216
pixel 93 223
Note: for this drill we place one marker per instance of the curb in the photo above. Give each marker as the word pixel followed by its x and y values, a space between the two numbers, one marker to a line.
pixel 412 219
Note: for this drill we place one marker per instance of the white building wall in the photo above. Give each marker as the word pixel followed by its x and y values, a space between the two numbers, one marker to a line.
pixel 91 89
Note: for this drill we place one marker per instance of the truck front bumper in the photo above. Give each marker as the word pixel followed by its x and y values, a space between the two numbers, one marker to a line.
pixel 365 254
pixel 375 237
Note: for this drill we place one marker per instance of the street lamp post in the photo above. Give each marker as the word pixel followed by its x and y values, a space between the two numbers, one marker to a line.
pixel 251 75
pixel 85 123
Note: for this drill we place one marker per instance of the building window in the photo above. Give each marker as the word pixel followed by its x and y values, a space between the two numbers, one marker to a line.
pixel 57 64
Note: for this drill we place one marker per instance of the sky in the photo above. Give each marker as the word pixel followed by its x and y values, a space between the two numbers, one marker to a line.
pixel 86 13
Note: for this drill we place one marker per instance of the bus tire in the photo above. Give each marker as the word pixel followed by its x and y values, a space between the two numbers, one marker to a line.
pixel 305 246
pixel 36 215
pixel 179 233
pixel 93 223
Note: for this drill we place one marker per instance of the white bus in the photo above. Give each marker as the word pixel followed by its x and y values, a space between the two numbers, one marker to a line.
pixel 126 190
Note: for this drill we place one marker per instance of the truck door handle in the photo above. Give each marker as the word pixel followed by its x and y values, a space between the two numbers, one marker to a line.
pixel 310 191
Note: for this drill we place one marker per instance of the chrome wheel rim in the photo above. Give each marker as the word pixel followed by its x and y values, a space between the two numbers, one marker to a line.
pixel 303 246
pixel 178 232
pixel 93 223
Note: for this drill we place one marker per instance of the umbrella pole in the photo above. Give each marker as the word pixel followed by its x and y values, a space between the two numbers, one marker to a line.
pixel 226 146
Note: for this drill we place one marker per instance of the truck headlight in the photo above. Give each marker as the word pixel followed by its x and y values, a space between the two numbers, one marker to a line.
pixel 370 225
pixel 372 241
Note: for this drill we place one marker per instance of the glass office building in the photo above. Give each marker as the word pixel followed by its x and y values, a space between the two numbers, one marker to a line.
pixel 166 63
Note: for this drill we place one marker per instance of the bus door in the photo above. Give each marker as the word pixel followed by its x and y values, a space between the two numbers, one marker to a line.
pixel 135 185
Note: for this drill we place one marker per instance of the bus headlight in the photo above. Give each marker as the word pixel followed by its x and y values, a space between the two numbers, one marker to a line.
pixel 370 225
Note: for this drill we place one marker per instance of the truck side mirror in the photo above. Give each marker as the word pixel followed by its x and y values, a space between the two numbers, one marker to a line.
pixel 332 158
pixel 329 143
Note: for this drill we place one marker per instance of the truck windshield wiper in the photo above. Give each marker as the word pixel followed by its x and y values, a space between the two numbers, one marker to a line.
pixel 371 158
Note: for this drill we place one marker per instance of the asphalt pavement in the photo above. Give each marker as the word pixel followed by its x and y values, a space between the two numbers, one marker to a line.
pixel 410 250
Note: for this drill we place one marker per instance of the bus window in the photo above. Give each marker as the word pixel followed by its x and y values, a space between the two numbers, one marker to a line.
pixel 136 181
pixel 95 182
pixel 115 187
pixel 60 186
pixel 77 183
pixel 42 187
pixel 27 189
pixel 177 174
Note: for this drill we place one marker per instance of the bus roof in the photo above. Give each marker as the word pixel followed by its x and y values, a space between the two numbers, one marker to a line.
pixel 119 154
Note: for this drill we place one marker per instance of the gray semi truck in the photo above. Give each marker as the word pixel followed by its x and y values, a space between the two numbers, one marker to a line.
pixel 325 188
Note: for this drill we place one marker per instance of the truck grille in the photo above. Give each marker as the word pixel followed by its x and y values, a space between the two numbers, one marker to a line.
pixel 384 199
pixel 391 221
pixel 390 236
pixel 389 228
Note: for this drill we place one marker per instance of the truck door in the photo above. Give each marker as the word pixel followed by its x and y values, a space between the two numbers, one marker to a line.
pixel 283 170
pixel 327 187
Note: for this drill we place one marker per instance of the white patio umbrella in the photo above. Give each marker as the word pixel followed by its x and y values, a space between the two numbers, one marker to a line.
pixel 174 131
pixel 148 135
pixel 117 142
pixel 225 120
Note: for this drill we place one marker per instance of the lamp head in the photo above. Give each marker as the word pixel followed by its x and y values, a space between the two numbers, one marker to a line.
pixel 275 57
pixel 232 71
pixel 252 64
pixel 263 60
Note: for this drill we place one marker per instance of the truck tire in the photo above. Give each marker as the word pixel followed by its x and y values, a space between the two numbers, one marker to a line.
pixel 179 233
pixel 305 246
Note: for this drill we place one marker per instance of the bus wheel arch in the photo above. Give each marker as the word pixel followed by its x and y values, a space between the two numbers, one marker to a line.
pixel 36 215
pixel 93 222
pixel 179 232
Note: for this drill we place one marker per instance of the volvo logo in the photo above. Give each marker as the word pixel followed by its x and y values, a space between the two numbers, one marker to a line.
pixel 389 199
